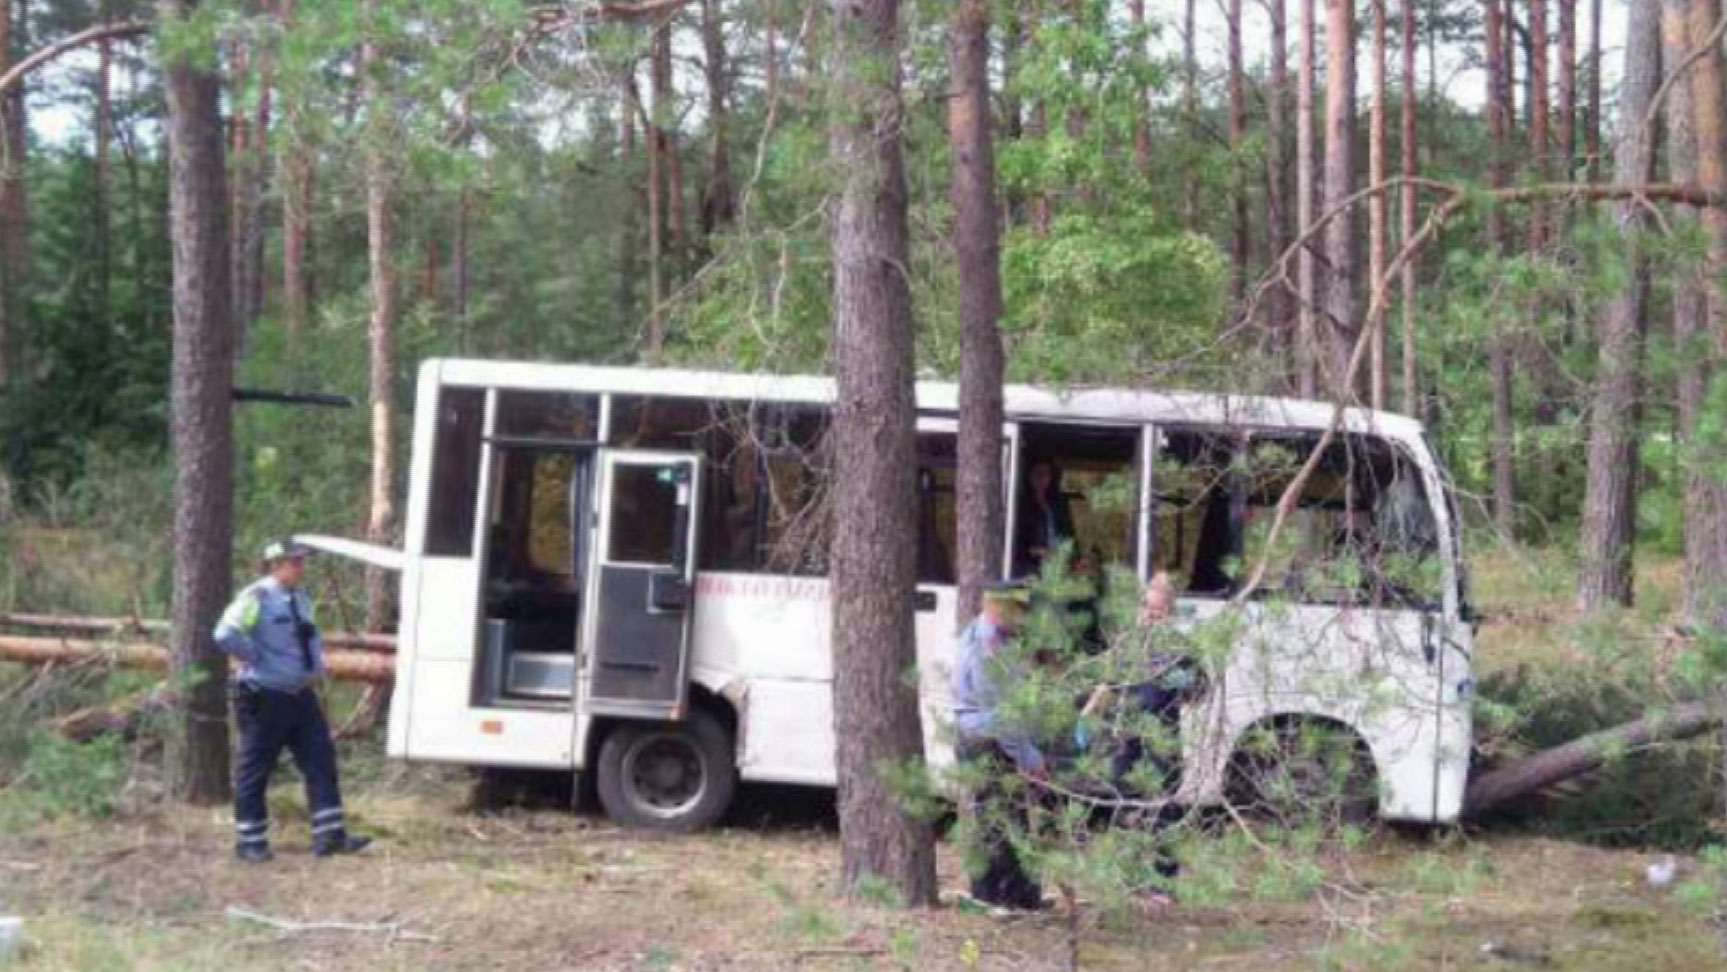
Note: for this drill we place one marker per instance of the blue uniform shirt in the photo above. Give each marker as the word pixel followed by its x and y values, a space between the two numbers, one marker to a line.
pixel 977 693
pixel 259 630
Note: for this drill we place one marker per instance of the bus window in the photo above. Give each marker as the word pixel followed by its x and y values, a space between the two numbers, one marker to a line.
pixel 937 506
pixel 1361 531
pixel 1077 485
pixel 455 472
pixel 547 415
pixel 797 458
pixel 1195 535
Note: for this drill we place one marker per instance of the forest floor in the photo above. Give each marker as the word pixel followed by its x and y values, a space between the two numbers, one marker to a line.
pixel 534 888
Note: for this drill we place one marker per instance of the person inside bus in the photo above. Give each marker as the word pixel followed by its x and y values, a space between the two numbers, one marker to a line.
pixel 1044 521
pixel 981 670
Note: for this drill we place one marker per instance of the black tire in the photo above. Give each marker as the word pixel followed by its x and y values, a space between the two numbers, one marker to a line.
pixel 1304 772
pixel 673 777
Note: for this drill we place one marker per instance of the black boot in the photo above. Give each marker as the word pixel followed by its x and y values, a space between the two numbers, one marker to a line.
pixel 253 853
pixel 339 842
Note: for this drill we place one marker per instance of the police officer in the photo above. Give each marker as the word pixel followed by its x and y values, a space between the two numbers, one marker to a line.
pixel 269 629
pixel 980 675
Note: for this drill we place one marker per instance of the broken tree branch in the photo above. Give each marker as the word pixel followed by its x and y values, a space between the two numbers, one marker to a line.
pixel 101 32
pixel 390 928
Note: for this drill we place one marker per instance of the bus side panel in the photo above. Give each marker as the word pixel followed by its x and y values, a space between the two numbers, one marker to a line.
pixel 1361 667
pixel 442 723
pixel 773 636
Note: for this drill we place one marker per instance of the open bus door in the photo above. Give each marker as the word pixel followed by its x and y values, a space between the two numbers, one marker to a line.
pixel 636 637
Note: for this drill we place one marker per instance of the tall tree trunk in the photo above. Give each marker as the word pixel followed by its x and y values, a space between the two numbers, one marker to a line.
pixel 1538 114
pixel 629 223
pixel 977 244
pixel 770 51
pixel 1142 103
pixel 258 187
pixel 1499 354
pixel 459 267
pixel 1278 184
pixel 1190 119
pixel 874 568
pixel 14 206
pixel 1340 234
pixel 1378 226
pixel 239 185
pixel 104 138
pixel 1592 126
pixel 719 203
pixel 295 162
pixel 1406 210
pixel 1706 504
pixel 656 235
pixel 381 334
pixel 1240 245
pixel 1605 575
pixel 203 432
pixel 1690 299
pixel 1306 211
pixel 665 132
pixel 1568 88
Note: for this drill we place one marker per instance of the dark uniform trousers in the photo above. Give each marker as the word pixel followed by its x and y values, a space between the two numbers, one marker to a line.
pixel 269 721
pixel 995 812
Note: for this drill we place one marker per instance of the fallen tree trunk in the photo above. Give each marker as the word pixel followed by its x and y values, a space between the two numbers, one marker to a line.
pixel 1585 754
pixel 123 716
pixel 344 666
pixel 94 626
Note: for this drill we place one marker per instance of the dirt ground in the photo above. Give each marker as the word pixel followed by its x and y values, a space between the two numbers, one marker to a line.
pixel 449 888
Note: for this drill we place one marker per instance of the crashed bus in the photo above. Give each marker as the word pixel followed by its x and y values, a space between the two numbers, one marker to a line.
pixel 621 573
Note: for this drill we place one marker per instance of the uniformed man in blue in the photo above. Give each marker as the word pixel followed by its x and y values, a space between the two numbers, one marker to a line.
pixel 270 630
pixel 980 672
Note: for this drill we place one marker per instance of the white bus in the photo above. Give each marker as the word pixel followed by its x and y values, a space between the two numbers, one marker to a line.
pixel 621 572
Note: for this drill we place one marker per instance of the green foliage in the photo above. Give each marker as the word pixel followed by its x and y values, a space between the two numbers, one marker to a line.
pixel 62 777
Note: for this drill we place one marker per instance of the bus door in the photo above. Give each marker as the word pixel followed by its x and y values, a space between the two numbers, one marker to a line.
pixel 636 639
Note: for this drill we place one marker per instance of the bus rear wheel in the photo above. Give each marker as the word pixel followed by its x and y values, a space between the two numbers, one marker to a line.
pixel 668 776
pixel 1304 771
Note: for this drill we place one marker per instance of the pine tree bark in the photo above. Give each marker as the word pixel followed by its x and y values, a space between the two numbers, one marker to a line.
pixel 1706 505
pixel 1142 119
pixel 719 202
pixel 1406 209
pixel 1378 225
pixel 665 132
pixel 1279 180
pixel 1690 303
pixel 874 567
pixel 1306 211
pixel 1592 126
pixel 656 199
pixel 14 207
pixel 1538 114
pixel 1605 575
pixel 1240 244
pixel 1190 118
pixel 295 162
pixel 103 136
pixel 1567 111
pixel 1499 354
pixel 381 332
pixel 1340 234
pixel 202 424
pixel 977 244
